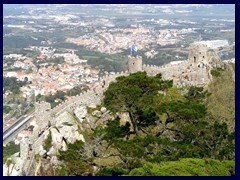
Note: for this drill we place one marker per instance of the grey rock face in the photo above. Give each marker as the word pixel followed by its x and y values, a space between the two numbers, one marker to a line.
pixel 68 128
pixel 13 166
pixel 92 106
pixel 81 112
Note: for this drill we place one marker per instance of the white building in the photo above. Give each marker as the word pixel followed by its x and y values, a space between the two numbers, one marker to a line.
pixel 214 44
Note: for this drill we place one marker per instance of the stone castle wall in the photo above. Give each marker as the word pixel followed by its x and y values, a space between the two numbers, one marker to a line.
pixel 40 112
pixel 194 71
pixel 93 96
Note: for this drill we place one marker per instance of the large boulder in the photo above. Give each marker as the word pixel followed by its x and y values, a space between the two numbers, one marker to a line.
pixel 67 126
pixel 92 106
pixel 103 109
pixel 42 151
pixel 18 163
pixel 80 112
pixel 90 122
pixel 57 138
pixel 13 167
pixel 97 113
pixel 52 152
pixel 105 117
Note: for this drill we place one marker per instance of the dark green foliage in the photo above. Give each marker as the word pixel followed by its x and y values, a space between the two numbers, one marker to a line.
pixel 58 60
pixel 216 72
pixel 62 171
pixel 108 62
pixel 189 111
pixel 61 95
pixel 109 66
pixel 11 83
pixel 75 164
pixel 9 150
pixel 19 42
pixel 28 71
pixel 6 109
pixel 165 127
pixel 197 94
pixel 146 117
pixel 132 93
pixel 48 142
pixel 114 129
pixel 114 171
pixel 51 98
pixel 77 90
pixel 54 104
pixel 38 97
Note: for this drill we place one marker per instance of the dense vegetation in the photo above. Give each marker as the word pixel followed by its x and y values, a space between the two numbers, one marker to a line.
pixel 6 109
pixel 9 150
pixel 11 83
pixel 60 95
pixel 221 102
pixel 168 133
pixel 186 167
pixel 108 62
pixel 18 42
pixel 48 142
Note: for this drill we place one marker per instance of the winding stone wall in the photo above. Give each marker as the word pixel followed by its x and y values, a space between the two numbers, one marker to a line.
pixel 194 71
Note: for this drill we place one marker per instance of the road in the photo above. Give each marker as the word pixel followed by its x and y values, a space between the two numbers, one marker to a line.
pixel 16 127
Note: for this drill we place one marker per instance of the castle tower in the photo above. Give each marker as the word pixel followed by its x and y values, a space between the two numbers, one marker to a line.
pixel 134 64
pixel 41 113
pixel 197 53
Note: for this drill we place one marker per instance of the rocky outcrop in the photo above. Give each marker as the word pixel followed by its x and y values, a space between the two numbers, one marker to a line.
pixel 92 106
pixel 80 113
pixel 67 127
pixel 13 166
pixel 103 109
pixel 97 113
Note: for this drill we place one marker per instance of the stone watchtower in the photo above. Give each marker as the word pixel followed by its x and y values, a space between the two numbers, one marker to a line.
pixel 41 113
pixel 197 53
pixel 134 64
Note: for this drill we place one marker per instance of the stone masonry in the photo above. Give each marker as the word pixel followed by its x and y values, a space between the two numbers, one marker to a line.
pixel 134 64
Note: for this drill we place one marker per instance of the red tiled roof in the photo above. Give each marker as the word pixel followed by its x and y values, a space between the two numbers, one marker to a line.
pixel 21 74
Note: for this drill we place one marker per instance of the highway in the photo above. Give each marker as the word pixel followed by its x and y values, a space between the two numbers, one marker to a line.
pixel 16 127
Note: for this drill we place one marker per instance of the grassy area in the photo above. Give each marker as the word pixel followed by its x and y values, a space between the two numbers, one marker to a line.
pixel 108 59
pixel 31 109
pixel 90 57
pixel 187 167
pixel 221 103
pixel 10 149
pixel 48 142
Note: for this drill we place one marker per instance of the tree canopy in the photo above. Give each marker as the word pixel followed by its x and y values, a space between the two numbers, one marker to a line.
pixel 131 94
pixel 168 133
